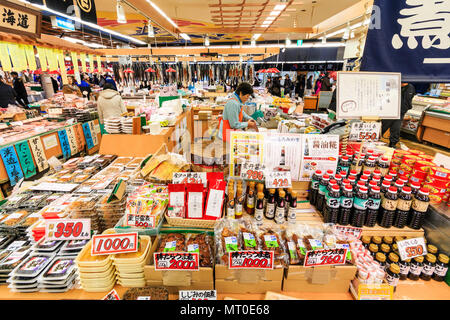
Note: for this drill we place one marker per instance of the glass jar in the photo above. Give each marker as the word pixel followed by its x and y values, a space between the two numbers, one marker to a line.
pixel 441 268
pixel 373 248
pixel 366 241
pixel 404 268
pixel 416 268
pixel 428 267
pixel 393 275
pixel 381 259
pixel 392 258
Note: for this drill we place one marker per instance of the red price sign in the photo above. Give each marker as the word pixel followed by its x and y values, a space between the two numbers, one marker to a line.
pixel 140 220
pixel 327 257
pixel 349 231
pixel 176 261
pixel 250 260
pixel 67 229
pixel 412 248
pixel 366 136
pixel 114 243
pixel 277 180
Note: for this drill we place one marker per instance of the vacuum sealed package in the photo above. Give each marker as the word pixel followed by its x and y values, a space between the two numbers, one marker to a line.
pixel 60 269
pixel 32 266
pixel 227 239
pixel 172 242
pixel 47 246
pixel 36 201
pixel 313 238
pixel 247 229
pixel 31 219
pixel 271 240
pixel 14 218
pixel 73 246
pixel 146 293
pixel 16 201
pixel 293 237
pixel 202 244
pixel 14 259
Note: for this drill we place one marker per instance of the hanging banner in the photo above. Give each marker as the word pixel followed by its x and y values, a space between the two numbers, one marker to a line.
pixel 75 62
pixel 64 141
pixel 319 152
pixel 42 53
pixel 23 56
pixel 62 66
pixel 410 37
pixel 38 153
pixel 87 10
pixel 12 165
pixel 26 159
pixel 51 59
pixel 29 52
pixel 83 61
pixel 94 133
pixel 4 57
pixel 72 140
pixel 88 135
pixel 91 62
pixel 99 64
pixel 18 19
pixel 15 57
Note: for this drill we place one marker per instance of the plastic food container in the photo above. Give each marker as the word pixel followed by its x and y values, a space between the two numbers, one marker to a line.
pixel 16 201
pixel 33 265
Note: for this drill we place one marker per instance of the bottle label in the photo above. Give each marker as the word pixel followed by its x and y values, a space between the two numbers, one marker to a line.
pixel 373 204
pixel 230 213
pixel 315 184
pixel 333 203
pixel 238 209
pixel 250 202
pixel 249 240
pixel 404 268
pixel 393 281
pixel 292 250
pixel 280 212
pixel 322 189
pixel 346 202
pixel 428 270
pixel 302 246
pixel 259 214
pixel 292 215
pixel 231 244
pixel 388 204
pixel 415 269
pixel 346 169
pixel 440 270
pixel 270 212
pixel 360 204
pixel 404 205
pixel 420 206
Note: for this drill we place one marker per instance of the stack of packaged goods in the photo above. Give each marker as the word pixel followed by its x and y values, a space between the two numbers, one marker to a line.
pixel 12 256
pixel 24 278
pixel 96 273
pixel 60 276
pixel 130 266
pixel 110 213
pixel 13 223
pixel 85 207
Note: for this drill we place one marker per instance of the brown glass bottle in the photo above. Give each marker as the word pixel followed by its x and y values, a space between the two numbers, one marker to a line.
pixel 393 275
pixel 377 240
pixel 259 209
pixel 239 203
pixel 441 268
pixel 366 241
pixel 404 268
pixel 419 209
pixel 270 208
pixel 416 268
pixel 381 259
pixel 373 248
pixel 428 267
pixel 250 204
pixel 385 249
pixel 280 209
pixel 292 213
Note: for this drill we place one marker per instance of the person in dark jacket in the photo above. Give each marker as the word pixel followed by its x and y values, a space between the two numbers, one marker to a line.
pixel 287 85
pixel 300 85
pixel 7 94
pixel 85 86
pixel 19 88
pixel 109 79
pixel 275 88
pixel 326 83
pixel 309 83
pixel 408 92
pixel 55 84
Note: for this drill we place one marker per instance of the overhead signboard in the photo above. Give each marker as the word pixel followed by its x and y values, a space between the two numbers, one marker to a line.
pixel 19 20
pixel 62 23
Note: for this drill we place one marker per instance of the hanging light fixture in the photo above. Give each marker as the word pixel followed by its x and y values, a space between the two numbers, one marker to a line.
pixel 151 31
pixel 206 41
pixel 324 38
pixel 121 18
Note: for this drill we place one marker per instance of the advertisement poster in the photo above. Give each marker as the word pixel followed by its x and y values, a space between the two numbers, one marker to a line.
pixel 245 147
pixel 319 152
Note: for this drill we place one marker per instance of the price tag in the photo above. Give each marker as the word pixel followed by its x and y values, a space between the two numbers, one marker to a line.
pixel 114 243
pixel 68 229
pixel 176 261
pixel 252 171
pixel 347 231
pixel 375 292
pixel 365 131
pixel 329 257
pixel 276 180
pixel 412 248
pixel 197 295
pixel 189 177
pixel 250 260
pixel 70 121
pixel 140 220
pixel 112 295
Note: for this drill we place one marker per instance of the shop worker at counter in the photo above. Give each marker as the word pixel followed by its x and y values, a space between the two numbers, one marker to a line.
pixel 234 117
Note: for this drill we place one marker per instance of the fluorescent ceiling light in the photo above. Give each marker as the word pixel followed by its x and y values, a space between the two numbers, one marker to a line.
pixel 288 42
pixel 162 13
pixel 270 18
pixel 279 7
pixel 92 25
pixel 121 17
pixel 85 43
pixel 265 25
pixel 185 36
pixel 275 13
pixel 207 41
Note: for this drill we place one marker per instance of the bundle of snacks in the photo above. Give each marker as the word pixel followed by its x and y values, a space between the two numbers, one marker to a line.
pixel 84 207
pixel 110 213
pixel 227 239
pixel 37 201
pixel 294 242
pixel 247 229
pixel 203 244
pixel 271 240
pixel 146 293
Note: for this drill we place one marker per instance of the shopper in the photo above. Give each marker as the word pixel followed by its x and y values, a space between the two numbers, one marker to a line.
pixel 84 86
pixel 54 84
pixel 109 103
pixel 109 79
pixel 318 86
pixel 408 92
pixel 275 88
pixel 288 86
pixel 300 86
pixel 72 87
pixel 234 117
pixel 7 94
pixel 326 83
pixel 21 91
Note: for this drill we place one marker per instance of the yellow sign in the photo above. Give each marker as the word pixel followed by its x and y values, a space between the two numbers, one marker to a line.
pixel 19 19
pixel 91 62
pixel 42 53
pixel 4 57
pixel 29 52
pixel 99 64
pixel 51 59
pixel 14 54
pixel 75 62
pixel 244 147
pixel 375 292
pixel 83 61
pixel 22 56
pixel 62 66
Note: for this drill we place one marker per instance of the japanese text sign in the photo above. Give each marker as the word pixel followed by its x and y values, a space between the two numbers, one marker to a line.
pixel 64 141
pixel 26 159
pixel 411 248
pixel 252 171
pixel 197 295
pixel 325 257
pixel 140 220
pixel 12 165
pixel 176 261
pixel 18 19
pixel 278 179
pixel 189 177
pixel 68 229
pixel 88 135
pixel 250 260
pixel 39 153
pixel 112 295
pixel 365 131
pixel 348 231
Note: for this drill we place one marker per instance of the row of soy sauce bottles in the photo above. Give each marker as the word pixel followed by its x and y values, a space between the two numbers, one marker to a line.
pixel 366 199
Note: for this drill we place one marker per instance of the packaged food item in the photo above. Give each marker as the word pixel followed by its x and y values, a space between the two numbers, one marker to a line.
pixel 80 178
pixel 172 242
pixel 135 163
pixel 271 240
pixel 59 269
pixel 146 293
pixel 15 218
pixel 16 201
pixel 14 259
pixel 122 161
pixel 195 201
pixel 227 239
pixel 53 197
pixel 47 245
pixel 32 265
pixel 36 201
pixel 247 231
pixel 73 245
pixel 31 219
pixel 202 244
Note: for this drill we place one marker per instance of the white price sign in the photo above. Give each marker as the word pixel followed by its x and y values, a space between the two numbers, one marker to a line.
pixel 68 229
pixel 197 295
pixel 189 177
pixel 104 244
pixel 347 231
pixel 140 220
pixel 365 131
pixel 252 171
pixel 412 248
pixel 276 180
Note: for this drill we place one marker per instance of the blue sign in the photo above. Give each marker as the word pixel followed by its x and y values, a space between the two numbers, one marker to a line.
pixel 410 37
pixel 64 141
pixel 88 135
pixel 12 165
pixel 60 22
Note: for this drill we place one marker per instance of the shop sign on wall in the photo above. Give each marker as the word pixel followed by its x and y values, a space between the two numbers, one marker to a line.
pixel 19 20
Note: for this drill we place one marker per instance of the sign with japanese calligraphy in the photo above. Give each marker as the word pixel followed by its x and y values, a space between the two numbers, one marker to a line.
pixel 328 257
pixel 88 135
pixel 87 10
pixel 319 152
pixel 348 231
pixel 411 37
pixel 180 261
pixel 26 159
pixel 197 295
pixel 365 131
pixel 74 57
pixel 38 153
pixel 411 248
pixel 72 140
pixel 368 94
pixel 104 244
pixel 31 58
pixel 250 260
pixel 253 171
pixel 83 61
pixel 79 136
pixel 67 229
pixel 19 19
pixel 245 146
pixel 189 177
pixel 64 141
pixel 140 220
pixel 12 165
pixel 93 132
pixel 375 292
pixel 278 179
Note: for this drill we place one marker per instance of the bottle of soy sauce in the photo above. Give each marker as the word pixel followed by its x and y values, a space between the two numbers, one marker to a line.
pixel 321 193
pixel 280 210
pixel 343 165
pixel 346 205
pixel 419 209
pixel 403 207
pixel 441 268
pixel 271 203
pixel 416 268
pixel 383 166
pixel 388 178
pixel 389 205
pixel 428 267
pixel 373 207
pixel 292 215
pixel 385 187
pixel 259 209
pixel 314 189
pixel 360 207
pixel 332 206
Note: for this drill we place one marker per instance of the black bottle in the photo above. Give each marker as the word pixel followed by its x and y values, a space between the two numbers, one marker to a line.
pixel 403 207
pixel 359 207
pixel 419 209
pixel 332 205
pixel 321 193
pixel 404 268
pixel 416 268
pixel 314 189
pixel 429 266
pixel 389 205
pixel 346 206
pixel 373 207
pixel 441 268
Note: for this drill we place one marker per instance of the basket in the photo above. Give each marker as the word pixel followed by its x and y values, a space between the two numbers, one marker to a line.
pixel 192 223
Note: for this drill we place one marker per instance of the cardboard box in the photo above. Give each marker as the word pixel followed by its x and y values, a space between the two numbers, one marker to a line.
pixel 247 281
pixel 319 279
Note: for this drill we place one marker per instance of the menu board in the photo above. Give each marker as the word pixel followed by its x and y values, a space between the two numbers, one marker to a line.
pixel 368 94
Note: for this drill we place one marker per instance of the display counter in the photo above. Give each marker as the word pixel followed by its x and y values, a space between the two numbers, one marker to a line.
pixel 435 128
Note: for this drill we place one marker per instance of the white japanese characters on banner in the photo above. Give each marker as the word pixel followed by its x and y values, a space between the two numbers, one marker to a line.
pixel 319 152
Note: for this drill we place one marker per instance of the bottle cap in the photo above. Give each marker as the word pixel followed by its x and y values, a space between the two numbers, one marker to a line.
pixel 333 181
pixel 384 159
pixel 443 258
pixel 399 183
pixel 371 159
pixel 415 184
pixel 346 181
pixel 365 239
pixel 404 178
pixel 377 172
pixel 353 172
pixel 294 194
pixel 393 189
pixel 398 238
pixel 388 177
pixel 260 195
pixel 363 189
pixel 366 173
pixel 335 188
pixel 338 177
pixel 425 191
pixel 370 151
pixel 364 178
pixel 319 172
pixel 326 177
pixel 376 189
pixel 282 194
pixel 385 248
pixel 380 257
pixel 348 187
pixel 393 257
pixel 330 172
pixel 432 249
pixel 373 247
pixel 393 173
pixel 388 240
pixel 376 240
pixel 418 259
pixel 372 183
pixel 386 184
pixel 352 178
pixel 394 268
pixel 406 189
pixel 345 158
pixel 361 184
pixel 343 173
pixel 431 258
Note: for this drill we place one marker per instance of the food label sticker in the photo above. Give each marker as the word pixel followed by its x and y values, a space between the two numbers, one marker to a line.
pixel 112 295
pixel 176 199
pixel 140 220
pixel 411 248
pixel 365 131
pixel 67 229
pixel 231 244
pixel 176 261
pixel 195 204
pixel 276 180
pixel 348 231
pixel 250 260
pixel 144 298
pixel 189 177
pixel 197 295
pixel 193 248
pixel 302 246
pixel 114 243
pixel 316 244
pixel 375 292
pixel 215 201
pixel 170 246
pixel 325 257
pixel 249 240
pixel 271 241
pixel 15 245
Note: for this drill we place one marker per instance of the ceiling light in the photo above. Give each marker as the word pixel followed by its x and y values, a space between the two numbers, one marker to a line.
pixel 256 36
pixel 270 18
pixel 151 31
pixel 288 42
pixel 347 32
pixel 279 7
pixel 185 36
pixel 275 13
pixel 162 13
pixel 206 41
pixel 121 18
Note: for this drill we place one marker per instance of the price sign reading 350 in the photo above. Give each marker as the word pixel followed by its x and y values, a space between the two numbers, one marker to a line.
pixel 412 248
pixel 68 229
